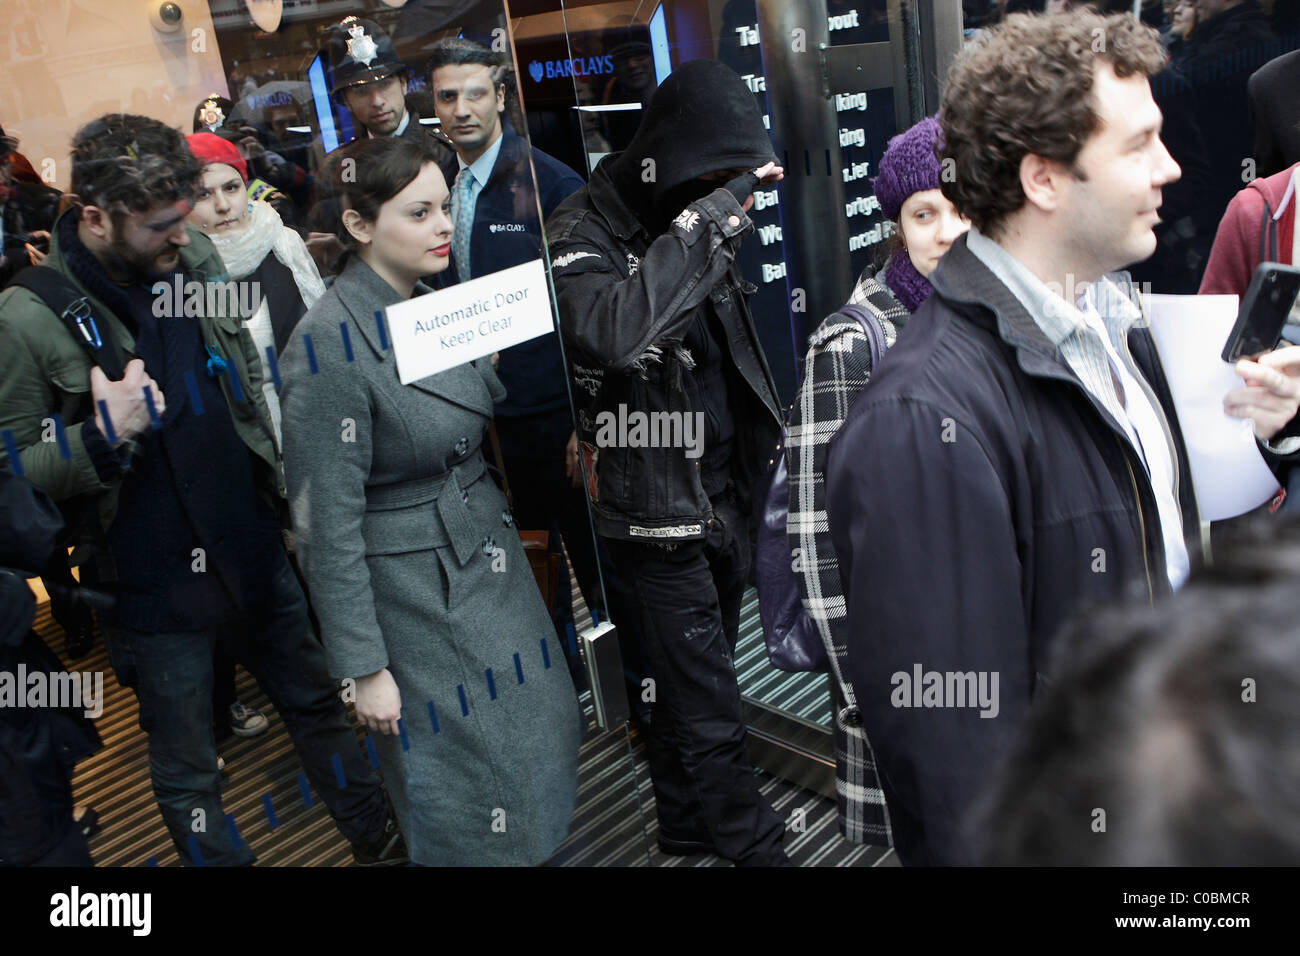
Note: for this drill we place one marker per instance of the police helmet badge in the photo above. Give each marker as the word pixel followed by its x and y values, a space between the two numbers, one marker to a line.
pixel 211 115
pixel 361 47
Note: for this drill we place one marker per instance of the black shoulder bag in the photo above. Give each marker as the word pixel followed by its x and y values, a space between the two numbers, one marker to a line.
pixel 69 303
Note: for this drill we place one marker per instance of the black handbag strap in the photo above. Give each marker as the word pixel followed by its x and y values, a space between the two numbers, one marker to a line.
pixel 870 328
pixel 72 306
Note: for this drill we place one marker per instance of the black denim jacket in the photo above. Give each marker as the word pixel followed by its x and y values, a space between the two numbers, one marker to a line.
pixel 626 301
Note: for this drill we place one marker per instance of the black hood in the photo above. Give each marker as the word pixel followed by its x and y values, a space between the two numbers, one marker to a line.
pixel 701 119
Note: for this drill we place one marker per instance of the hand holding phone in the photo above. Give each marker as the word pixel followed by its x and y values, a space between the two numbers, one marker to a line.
pixel 1263 312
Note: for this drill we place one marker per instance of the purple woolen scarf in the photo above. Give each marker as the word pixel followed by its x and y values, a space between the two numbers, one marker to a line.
pixel 909 286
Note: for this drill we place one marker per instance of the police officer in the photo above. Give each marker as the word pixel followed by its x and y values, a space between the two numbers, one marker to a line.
pixel 370 80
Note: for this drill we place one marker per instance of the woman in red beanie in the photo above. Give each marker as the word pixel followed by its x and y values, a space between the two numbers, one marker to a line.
pixel 256 246
pixel 259 249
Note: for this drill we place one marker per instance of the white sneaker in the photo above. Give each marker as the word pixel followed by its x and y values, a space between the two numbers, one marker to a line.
pixel 247 722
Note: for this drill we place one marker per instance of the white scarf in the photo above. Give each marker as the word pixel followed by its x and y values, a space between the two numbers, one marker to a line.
pixel 243 251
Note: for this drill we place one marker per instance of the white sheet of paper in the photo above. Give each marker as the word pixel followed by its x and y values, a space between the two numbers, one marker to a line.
pixel 432 333
pixel 1228 472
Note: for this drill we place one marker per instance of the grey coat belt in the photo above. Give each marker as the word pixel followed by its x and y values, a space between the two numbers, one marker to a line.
pixel 390 528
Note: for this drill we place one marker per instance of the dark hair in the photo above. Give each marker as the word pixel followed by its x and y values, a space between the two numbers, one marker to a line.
pixel 1026 87
pixel 1179 721
pixel 459 51
pixel 122 162
pixel 366 173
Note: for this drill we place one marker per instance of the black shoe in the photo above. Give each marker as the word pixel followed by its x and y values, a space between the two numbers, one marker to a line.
pixel 690 846
pixel 78 642
pixel 389 849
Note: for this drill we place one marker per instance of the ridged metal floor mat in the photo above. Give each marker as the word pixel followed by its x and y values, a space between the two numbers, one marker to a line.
pixel 805 695
pixel 607 829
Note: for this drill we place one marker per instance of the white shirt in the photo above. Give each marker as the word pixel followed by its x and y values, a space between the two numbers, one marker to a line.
pixel 1087 336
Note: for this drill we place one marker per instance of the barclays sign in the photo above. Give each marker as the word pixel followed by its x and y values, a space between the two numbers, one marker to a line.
pixel 575 66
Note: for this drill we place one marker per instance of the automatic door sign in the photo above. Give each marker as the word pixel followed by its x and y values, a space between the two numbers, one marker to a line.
pixel 432 333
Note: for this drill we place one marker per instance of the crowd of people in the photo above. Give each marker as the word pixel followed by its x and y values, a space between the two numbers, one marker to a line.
pixel 982 452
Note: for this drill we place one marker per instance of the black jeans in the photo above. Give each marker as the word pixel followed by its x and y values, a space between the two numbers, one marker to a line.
pixel 172 675
pixel 684 603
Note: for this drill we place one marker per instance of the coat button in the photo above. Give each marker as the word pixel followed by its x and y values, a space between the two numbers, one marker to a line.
pixel 462 446
pixel 851 717
pixel 489 547
pixel 733 221
pixel 507 519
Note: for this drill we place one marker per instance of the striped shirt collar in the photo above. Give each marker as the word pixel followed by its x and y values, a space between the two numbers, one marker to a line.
pixel 1057 318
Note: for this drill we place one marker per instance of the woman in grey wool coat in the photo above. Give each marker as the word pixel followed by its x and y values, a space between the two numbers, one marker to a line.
pixel 414 566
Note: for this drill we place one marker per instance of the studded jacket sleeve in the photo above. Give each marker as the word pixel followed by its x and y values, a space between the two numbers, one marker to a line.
pixel 618 308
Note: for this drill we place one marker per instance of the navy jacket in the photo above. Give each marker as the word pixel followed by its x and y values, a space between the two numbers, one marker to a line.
pixel 507 233
pixel 978 497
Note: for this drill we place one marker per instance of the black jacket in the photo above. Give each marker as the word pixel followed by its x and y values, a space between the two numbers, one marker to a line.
pixel 39 746
pixel 1002 499
pixel 643 257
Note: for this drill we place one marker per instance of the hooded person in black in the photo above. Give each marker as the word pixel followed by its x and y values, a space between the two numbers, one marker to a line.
pixel 702 122
pixel 676 411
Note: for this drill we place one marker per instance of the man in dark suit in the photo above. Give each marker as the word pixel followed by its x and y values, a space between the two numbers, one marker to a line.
pixel 1017 458
pixel 495 215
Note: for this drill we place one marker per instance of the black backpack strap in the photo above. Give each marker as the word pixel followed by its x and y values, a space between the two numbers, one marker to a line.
pixel 73 308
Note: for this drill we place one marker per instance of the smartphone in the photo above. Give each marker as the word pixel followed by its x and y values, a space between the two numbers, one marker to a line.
pixel 1264 310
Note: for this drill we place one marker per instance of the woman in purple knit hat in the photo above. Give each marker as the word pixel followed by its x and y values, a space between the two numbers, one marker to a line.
pixel 908 189
pixel 836 367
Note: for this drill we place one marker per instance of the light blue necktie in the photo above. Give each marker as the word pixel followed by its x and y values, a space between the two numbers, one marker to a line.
pixel 463 221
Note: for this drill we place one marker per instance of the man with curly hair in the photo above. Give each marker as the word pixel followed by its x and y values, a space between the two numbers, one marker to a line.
pixel 1017 457
pixel 172 485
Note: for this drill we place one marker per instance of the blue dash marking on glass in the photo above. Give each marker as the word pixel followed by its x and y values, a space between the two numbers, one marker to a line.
pixel 154 420
pixel 61 437
pixel 347 340
pixel 273 365
pixel 193 386
pixel 271 820
pixel 337 762
pixel 11 452
pixel 311 353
